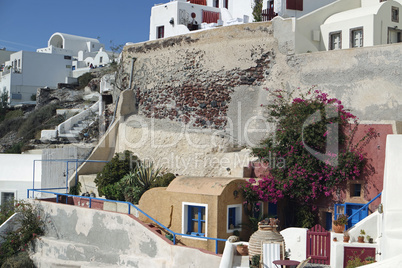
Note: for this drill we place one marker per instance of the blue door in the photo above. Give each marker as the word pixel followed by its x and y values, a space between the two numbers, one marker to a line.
pixel 352 209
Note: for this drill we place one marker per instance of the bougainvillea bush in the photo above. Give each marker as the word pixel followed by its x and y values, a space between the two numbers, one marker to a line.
pixel 313 137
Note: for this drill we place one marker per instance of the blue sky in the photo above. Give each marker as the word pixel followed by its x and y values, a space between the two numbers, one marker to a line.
pixel 28 24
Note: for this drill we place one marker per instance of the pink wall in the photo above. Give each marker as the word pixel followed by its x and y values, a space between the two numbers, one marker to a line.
pixel 372 174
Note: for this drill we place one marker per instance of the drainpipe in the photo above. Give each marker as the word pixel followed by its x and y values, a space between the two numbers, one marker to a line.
pixel 133 60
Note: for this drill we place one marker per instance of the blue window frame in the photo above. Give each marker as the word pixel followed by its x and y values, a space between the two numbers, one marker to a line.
pixel 196 220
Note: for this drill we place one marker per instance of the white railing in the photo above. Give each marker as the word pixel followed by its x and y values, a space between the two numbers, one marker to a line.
pixel 9 225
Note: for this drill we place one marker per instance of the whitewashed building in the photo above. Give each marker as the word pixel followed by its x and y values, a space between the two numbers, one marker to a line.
pixel 309 25
pixel 16 176
pixel 180 16
pixel 64 59
pixel 374 23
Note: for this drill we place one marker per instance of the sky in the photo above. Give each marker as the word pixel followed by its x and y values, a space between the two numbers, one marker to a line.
pixel 28 24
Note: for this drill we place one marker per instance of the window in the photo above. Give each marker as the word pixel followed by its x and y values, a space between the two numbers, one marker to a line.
pixel 67 57
pixel 160 32
pixel 355 190
pixel 226 3
pixel 234 215
pixel 335 41
pixel 216 3
pixel 294 4
pixel 395 14
pixel 19 63
pixel 7 197
pixel 194 220
pixel 356 37
pixel 16 96
pixel 100 59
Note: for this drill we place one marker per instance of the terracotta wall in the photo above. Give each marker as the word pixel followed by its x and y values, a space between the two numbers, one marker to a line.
pixel 166 207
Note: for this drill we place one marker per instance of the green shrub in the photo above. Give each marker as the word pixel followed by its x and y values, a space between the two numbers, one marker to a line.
pixel 19 260
pixel 76 189
pixel 16 242
pixel 38 120
pixel 164 180
pixel 14 114
pixel 146 175
pixel 84 79
pixel 113 172
pixel 10 125
pixel 133 194
pixel 33 97
pixel 16 148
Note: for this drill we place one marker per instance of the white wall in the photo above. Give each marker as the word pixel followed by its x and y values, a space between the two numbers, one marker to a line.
pixel 345 26
pixel 383 21
pixel 391 239
pixel 17 173
pixel 161 15
pixel 37 70
pixel 375 20
pixel 239 8
pixel 306 25
pixel 295 240
pixel 308 6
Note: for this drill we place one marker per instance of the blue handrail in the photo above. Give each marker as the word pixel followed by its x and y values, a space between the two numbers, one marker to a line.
pixel 129 212
pixel 364 207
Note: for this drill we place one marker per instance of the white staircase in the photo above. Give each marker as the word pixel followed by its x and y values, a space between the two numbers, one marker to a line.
pixel 72 127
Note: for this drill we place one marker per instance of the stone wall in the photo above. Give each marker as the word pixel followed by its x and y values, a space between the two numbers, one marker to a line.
pixel 217 80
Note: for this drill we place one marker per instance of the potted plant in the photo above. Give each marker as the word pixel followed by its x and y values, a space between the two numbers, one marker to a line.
pixel 369 260
pixel 242 249
pixel 369 239
pixel 346 237
pixel 339 223
pixel 360 238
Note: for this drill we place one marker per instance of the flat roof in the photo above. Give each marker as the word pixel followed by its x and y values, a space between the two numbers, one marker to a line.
pixel 201 185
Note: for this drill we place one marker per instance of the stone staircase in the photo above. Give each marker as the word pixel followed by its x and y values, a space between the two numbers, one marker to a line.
pixel 77 128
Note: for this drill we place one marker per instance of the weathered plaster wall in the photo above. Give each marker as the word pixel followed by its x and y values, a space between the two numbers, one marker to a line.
pixel 217 80
pixel 78 236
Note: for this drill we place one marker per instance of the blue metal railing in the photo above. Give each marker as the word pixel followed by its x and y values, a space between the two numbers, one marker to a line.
pixel 129 212
pixel 364 207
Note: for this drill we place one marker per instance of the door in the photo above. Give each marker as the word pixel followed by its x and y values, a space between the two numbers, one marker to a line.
pixel 352 209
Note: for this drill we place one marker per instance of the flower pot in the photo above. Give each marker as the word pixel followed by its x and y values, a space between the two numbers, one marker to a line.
pixel 370 240
pixel 338 228
pixel 335 239
pixel 242 250
pixel 346 239
pixel 360 239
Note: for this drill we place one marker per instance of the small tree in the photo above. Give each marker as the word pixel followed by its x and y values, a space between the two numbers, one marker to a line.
pixel 257 10
pixel 3 104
